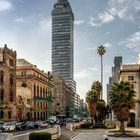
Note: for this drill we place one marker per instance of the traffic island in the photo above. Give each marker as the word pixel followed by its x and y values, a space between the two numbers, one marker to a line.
pixel 117 134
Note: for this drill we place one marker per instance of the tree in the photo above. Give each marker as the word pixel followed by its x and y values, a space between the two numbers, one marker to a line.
pixel 96 86
pixel 101 51
pixel 121 101
pixel 101 110
pixel 91 100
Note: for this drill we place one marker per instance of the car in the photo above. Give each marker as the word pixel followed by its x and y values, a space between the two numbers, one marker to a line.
pixel 30 125
pixel 21 126
pixel 1 124
pixel 8 126
pixel 44 124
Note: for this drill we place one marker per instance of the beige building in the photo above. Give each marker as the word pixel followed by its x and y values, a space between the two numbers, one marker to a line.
pixel 32 91
pixel 131 73
pixel 7 84
pixel 62 94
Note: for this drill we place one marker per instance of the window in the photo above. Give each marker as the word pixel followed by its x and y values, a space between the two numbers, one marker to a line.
pixel 34 90
pixel 37 91
pixel 28 101
pixel 1 77
pixel 132 85
pixel 24 84
pixel 11 97
pixel 34 115
pixel 11 62
pixel 11 79
pixel 1 114
pixel 1 94
pixel 9 114
pixel 23 73
pixel 130 78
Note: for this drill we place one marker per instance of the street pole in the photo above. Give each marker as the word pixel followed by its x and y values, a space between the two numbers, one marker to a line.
pixel 50 96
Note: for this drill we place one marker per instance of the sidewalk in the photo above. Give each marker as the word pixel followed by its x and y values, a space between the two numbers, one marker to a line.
pixel 99 134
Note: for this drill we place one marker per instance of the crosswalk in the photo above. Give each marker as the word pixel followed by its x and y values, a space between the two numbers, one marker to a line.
pixel 68 133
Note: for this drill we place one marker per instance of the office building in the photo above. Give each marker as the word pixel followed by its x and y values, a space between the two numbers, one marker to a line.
pixel 62 42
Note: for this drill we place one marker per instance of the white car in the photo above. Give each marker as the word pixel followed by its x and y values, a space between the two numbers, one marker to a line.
pixel 9 126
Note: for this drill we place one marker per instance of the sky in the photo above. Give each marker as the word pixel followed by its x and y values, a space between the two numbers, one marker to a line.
pixel 25 26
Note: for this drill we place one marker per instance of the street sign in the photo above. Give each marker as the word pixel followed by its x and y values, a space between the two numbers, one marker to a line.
pixel 40 99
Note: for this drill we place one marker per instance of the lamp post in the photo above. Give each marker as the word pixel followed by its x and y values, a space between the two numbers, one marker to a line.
pixel 49 96
pixel 48 99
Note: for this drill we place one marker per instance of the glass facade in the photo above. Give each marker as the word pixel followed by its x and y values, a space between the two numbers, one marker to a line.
pixel 62 41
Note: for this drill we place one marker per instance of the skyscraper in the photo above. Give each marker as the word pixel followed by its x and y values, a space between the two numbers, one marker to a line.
pixel 62 41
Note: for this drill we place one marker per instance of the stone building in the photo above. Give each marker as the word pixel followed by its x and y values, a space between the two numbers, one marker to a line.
pixel 131 72
pixel 62 94
pixel 32 91
pixel 7 84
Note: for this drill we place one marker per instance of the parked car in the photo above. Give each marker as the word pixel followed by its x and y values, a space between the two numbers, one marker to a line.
pixel 1 124
pixel 21 126
pixel 44 124
pixel 30 125
pixel 9 126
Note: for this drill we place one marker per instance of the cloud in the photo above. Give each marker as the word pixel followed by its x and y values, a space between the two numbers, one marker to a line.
pixel 94 69
pixel 19 20
pixel 107 45
pixel 5 5
pixel 78 22
pixel 122 9
pixel 45 24
pixel 105 17
pixel 93 22
pixel 132 42
pixel 82 74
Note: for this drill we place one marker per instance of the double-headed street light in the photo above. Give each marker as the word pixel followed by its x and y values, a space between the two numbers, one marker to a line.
pixel 49 111
pixel 49 98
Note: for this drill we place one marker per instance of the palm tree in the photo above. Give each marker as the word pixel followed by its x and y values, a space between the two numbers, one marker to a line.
pixel 101 51
pixel 122 100
pixel 91 100
pixel 96 86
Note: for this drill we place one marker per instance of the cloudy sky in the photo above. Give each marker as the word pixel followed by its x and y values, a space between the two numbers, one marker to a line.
pixel 25 26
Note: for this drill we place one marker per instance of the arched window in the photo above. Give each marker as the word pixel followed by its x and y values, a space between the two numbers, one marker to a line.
pixel 24 84
pixel 9 114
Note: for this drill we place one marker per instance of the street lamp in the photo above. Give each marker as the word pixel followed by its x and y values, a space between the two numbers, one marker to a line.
pixel 49 96
pixel 48 99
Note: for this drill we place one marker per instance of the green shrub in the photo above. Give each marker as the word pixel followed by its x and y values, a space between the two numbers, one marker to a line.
pixel 86 125
pixel 110 126
pixel 40 136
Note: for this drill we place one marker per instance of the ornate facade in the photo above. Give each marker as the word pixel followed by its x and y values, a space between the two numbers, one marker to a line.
pixel 131 73
pixel 32 87
pixel 7 84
